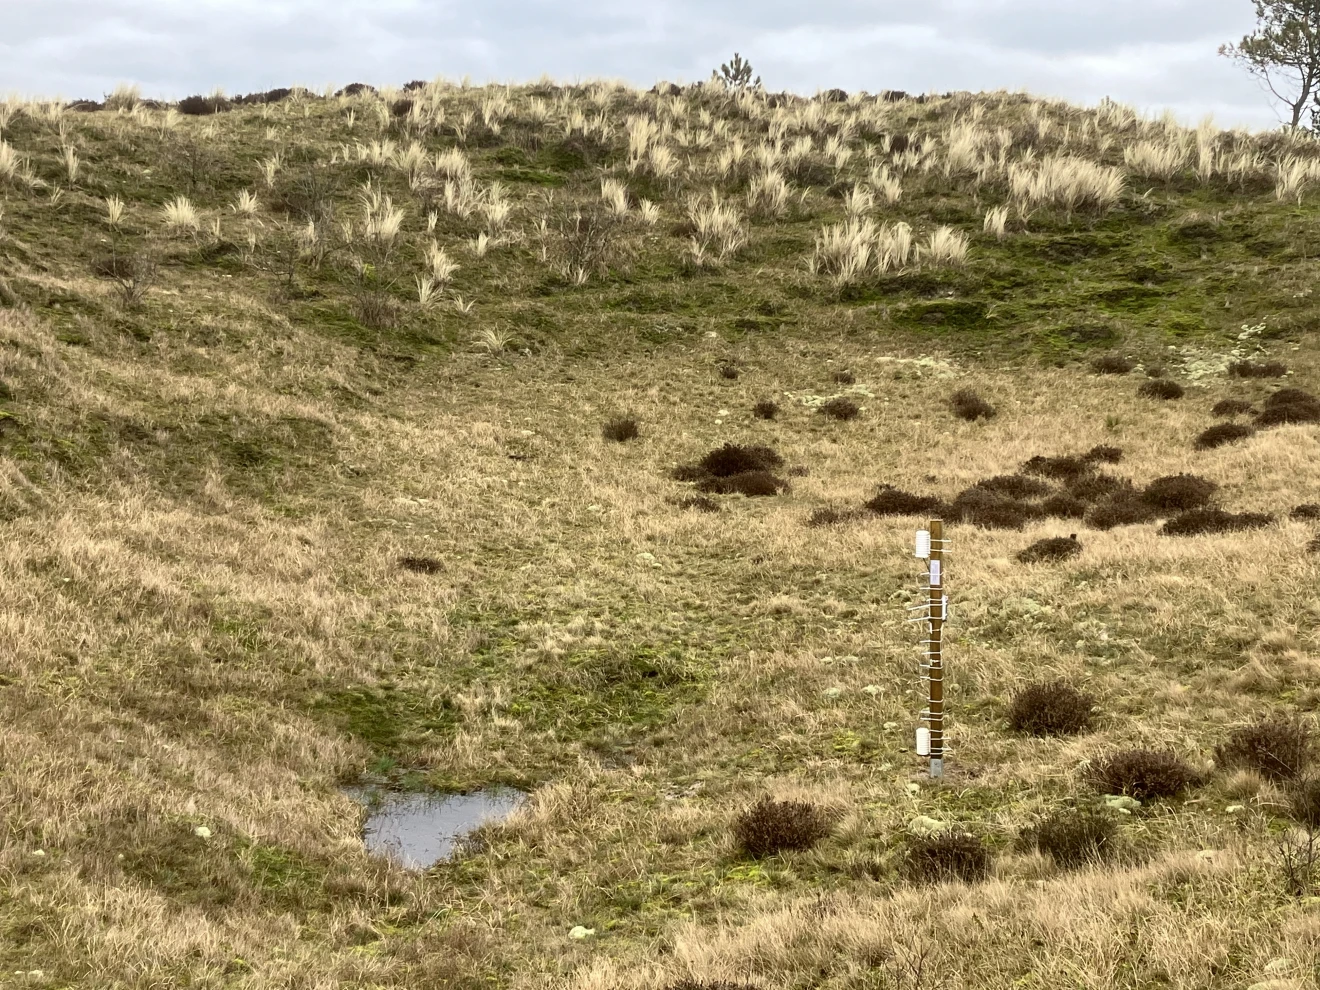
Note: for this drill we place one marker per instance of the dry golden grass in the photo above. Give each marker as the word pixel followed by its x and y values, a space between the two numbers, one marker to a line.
pixel 203 622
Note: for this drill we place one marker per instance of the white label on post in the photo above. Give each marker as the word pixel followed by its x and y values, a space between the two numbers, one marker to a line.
pixel 923 544
pixel 935 576
pixel 923 741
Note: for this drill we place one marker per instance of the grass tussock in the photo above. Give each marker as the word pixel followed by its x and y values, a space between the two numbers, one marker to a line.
pixel 1050 708
pixel 621 429
pixel 946 856
pixel 1143 774
pixel 765 409
pixel 769 827
pixel 1208 521
pixel 1161 388
pixel 1051 550
pixel 1222 435
pixel 1278 748
pixel 969 406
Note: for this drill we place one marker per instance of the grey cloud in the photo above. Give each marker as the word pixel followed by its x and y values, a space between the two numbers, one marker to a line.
pixel 1151 53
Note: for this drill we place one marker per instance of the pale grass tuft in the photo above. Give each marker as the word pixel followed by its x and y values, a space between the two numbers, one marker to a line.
pixel 494 340
pixel 441 265
pixel 114 211
pixel 71 163
pixel 1155 159
pixel 996 222
pixel 245 204
pixel 615 195
pixel 270 167
pixel 10 162
pixel 719 228
pixel 1065 182
pixel 427 291
pixel 179 214
pixel 767 194
pixel 648 212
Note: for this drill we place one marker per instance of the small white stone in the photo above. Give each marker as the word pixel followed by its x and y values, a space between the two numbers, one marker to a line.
pixel 202 832
pixel 1234 809
pixel 579 932
pixel 890 725
pixel 833 692
pixel 872 689
pixel 38 852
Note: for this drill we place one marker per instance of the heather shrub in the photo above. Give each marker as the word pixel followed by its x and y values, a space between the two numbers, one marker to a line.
pixel 830 517
pixel 1160 388
pixel 1121 509
pixel 946 856
pixel 1143 774
pixel 1222 435
pixel 1308 511
pixel 1304 802
pixel 1179 491
pixel 203 106
pixel 1059 468
pixel 754 484
pixel 1197 522
pixel 1093 487
pixel 844 377
pixel 1289 405
pixel 1112 364
pixel 890 501
pixel 1231 407
pixel 770 827
pixel 1278 747
pixel 841 408
pixel 1063 506
pixel 733 458
pixel 1075 837
pixel 699 503
pixel 990 510
pixel 1257 369
pixel 1051 708
pixel 729 371
pixel 970 406
pixel 1014 486
pixel 620 429
pixel 1103 453
pixel 765 409
pixel 1051 549
pixel 421 565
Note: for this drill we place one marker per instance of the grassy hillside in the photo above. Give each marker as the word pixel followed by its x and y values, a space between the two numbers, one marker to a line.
pixel 251 360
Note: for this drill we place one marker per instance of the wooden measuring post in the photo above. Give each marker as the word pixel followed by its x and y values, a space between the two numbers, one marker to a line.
pixel 934 648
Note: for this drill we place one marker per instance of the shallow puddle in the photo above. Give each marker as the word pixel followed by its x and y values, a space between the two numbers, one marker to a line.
pixel 419 830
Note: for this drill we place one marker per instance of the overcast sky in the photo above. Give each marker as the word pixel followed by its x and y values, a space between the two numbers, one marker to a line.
pixel 1150 53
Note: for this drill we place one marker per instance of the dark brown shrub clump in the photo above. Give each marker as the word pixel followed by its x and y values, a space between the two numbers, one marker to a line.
pixel 1051 549
pixel 1197 522
pixel 203 106
pixel 620 429
pixel 729 371
pixel 1051 708
pixel 1289 405
pixel 1179 491
pixel 1222 435
pixel 754 484
pixel 421 565
pixel 1257 369
pixel 1112 364
pixel 1121 509
pixel 1143 774
pixel 1014 486
pixel 1160 388
pixel 946 856
pixel 970 406
pixel 1314 545
pixel 1306 512
pixel 1304 802
pixel 989 510
pixel 1231 407
pixel 699 503
pixel 770 826
pixel 765 409
pixel 830 517
pixel 841 408
pixel 1074 837
pixel 844 377
pixel 1094 487
pixel 1063 506
pixel 686 984
pixel 732 458
pixel 1059 468
pixel 890 501
pixel 1279 748
pixel 1103 454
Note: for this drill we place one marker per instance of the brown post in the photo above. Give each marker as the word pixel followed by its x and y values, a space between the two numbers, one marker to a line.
pixel 934 655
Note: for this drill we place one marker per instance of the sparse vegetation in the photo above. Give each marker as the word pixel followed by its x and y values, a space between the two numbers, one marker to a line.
pixel 765 409
pixel 1161 388
pixel 946 856
pixel 331 502
pixel 1075 837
